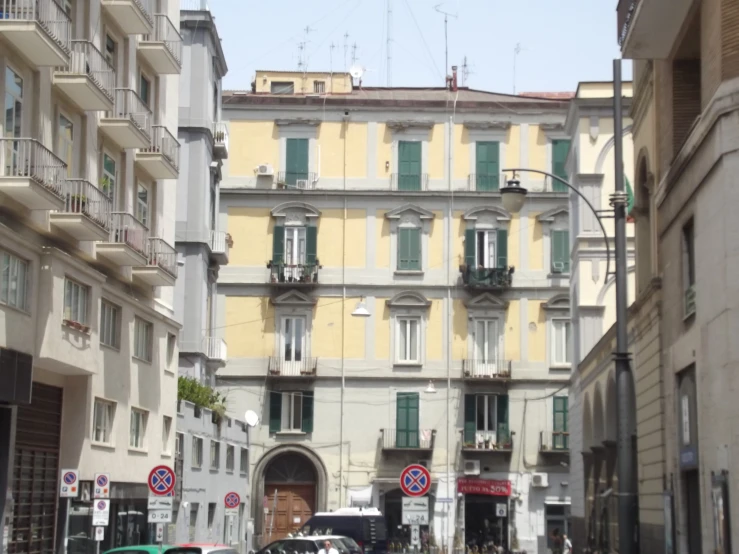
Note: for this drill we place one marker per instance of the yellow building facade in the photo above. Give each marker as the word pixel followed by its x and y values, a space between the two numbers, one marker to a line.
pixel 382 308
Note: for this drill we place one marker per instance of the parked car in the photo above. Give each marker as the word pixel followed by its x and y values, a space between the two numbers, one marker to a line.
pixel 142 549
pixel 311 544
pixel 197 548
pixel 365 526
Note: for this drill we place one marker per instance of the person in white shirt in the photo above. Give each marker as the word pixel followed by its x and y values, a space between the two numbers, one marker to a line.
pixel 567 545
pixel 327 548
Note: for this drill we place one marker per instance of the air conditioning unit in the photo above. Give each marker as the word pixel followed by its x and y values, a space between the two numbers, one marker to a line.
pixel 472 467
pixel 540 480
pixel 302 184
pixel 265 169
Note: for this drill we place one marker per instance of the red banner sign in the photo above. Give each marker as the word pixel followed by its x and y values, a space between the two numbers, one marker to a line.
pixel 489 487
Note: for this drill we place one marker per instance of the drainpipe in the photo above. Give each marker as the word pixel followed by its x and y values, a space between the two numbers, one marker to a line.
pixel 450 331
pixel 343 327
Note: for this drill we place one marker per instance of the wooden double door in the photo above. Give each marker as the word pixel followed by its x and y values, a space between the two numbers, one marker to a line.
pixel 294 507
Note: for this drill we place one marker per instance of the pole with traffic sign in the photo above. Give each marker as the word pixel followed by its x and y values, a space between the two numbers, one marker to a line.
pixel 161 484
pixel 69 488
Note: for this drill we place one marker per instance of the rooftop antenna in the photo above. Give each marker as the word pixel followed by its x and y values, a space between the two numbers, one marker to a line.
pixel 446 41
pixel 331 57
pixel 301 51
pixel 388 49
pixel 466 71
pixel 346 47
pixel 354 54
pixel 516 52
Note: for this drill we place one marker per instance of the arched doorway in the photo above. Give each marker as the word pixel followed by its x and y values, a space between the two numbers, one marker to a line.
pixel 290 487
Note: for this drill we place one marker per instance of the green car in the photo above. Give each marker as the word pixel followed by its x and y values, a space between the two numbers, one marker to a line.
pixel 148 549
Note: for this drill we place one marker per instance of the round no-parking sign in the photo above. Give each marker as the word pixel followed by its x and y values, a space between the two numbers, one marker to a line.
pixel 232 500
pixel 415 480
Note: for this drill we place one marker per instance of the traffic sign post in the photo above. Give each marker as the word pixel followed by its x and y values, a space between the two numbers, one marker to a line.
pixel 415 511
pixel 161 481
pixel 100 512
pixel 415 480
pixel 161 484
pixel 68 488
pixel 102 485
pixel 232 501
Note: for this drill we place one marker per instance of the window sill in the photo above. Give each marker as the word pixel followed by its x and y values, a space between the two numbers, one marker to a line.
pixel 408 364
pixel 290 433
pixel 169 371
pixel 688 317
pixel 102 445
pixel 116 349
pixel 15 309
pixel 230 471
pixel 138 450
pixel 560 367
pixel 166 454
pixel 141 360
pixel 197 468
pixel 77 326
pixel 409 272
pixel 562 275
pixel 214 470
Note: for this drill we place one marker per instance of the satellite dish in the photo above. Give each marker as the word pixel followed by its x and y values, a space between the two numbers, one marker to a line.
pixel 251 418
pixel 356 71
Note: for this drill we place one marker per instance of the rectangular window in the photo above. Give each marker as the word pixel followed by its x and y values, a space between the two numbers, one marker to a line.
pixel 142 204
pixel 145 90
pixel 296 161
pixel 560 251
pixel 486 420
pixel 409 249
pixel 13 109
pixel 179 445
pixel 293 342
pixel 166 431
pixel 560 149
pixel 409 165
pixel 102 421
pixel 230 457
pixel 292 411
pixel 65 143
pixel 109 180
pixel 295 246
pixel 561 342
pixel 244 461
pixel 406 419
pixel 142 339
pixel 408 350
pixel 197 452
pixel 215 454
pixel 14 281
pixel 277 87
pixel 194 508
pixel 110 325
pixel 171 346
pixel 486 344
pixel 688 263
pixel 137 435
pixel 487 255
pixel 76 301
pixel 319 87
pixel 487 166
pixel 68 7
pixel 211 514
pixel 111 51
pixel 560 435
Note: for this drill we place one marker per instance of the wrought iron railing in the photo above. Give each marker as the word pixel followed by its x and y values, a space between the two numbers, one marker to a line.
pixel 163 255
pixel 215 348
pixel 81 197
pixel 163 142
pixel 419 439
pixel 624 15
pixel 50 16
pixel 500 440
pixel 129 105
pixel 411 182
pixel 498 277
pixel 25 157
pixel 86 59
pixel 297 179
pixel 304 366
pixel 482 368
pixel 294 274
pixel 126 229
pixel 483 182
pixel 166 33
pixel 554 441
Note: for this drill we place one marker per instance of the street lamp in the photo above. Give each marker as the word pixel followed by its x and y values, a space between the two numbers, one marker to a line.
pixel 513 196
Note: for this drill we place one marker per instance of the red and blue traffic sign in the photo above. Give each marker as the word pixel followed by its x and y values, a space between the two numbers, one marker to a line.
pixel 232 500
pixel 102 480
pixel 161 481
pixel 415 480
pixel 70 478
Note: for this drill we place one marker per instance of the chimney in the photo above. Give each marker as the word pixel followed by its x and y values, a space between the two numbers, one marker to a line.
pixel 454 78
pixel 448 82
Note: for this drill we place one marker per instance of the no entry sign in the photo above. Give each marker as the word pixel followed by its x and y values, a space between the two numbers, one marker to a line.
pixel 415 480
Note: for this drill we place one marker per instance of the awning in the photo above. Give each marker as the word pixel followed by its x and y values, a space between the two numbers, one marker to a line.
pixel 360 497
pixel 554 500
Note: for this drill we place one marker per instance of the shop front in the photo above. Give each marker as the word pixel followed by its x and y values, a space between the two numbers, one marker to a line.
pixel 486 512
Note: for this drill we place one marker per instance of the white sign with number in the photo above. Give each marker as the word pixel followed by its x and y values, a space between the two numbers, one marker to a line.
pixel 160 516
pixel 99 533
pixel 416 511
pixel 100 512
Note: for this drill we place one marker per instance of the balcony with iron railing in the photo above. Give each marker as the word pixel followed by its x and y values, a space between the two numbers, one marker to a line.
pixel 220 244
pixel 40 30
pixel 161 159
pixel 486 278
pixel 648 29
pixel 31 174
pixel 410 183
pixel 86 214
pixel 301 180
pixel 161 267
pixel 480 368
pixel 134 17
pixel 128 241
pixel 293 275
pixel 488 442
pixel 301 366
pixel 129 124
pixel 554 443
pixel 88 80
pixel 483 182
pixel 220 140
pixel 413 440
pixel 215 350
pixel 162 49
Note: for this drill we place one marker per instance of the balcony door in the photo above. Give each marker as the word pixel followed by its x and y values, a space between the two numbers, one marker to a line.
pixel 486 249
pixel 13 119
pixel 293 345
pixel 409 165
pixel 294 252
pixel 407 420
pixel 486 341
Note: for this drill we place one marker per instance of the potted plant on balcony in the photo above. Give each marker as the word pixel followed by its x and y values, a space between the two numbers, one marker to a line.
pixel 77 203
pixel 105 185
pixel 229 240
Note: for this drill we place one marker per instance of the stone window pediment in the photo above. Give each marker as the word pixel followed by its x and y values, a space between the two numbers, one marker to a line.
pixel 560 214
pixel 409 300
pixel 295 213
pixel 405 124
pixel 488 125
pixel 559 303
pixel 486 301
pixel 409 212
pixel 487 216
pixel 294 299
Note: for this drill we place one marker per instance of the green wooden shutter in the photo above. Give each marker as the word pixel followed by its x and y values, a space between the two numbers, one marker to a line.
pixel 469 248
pixel 502 412
pixel 307 422
pixel 502 246
pixel 409 165
pixel 560 251
pixel 275 411
pixel 560 149
pixel 409 249
pixel 278 245
pixel 560 439
pixel 296 160
pixel 470 421
pixel 311 245
pixel 407 420
pixel 487 166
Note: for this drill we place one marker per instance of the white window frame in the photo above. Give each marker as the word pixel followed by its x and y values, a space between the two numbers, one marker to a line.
pixel 111 177
pixel 485 364
pixel 179 445
pixel 76 301
pixel 14 277
pixel 490 245
pixel 230 449
pixel 64 146
pixel 143 346
pixel 215 454
pixel 319 87
pixel 243 461
pixel 142 207
pixel 407 320
pixel 106 410
pixel 137 429
pixel 488 399
pixel 558 336
pixel 110 325
pixel 295 235
pixel 150 82
pixel 166 433
pixel 292 402
pixel 16 99
pixel 197 452
pixel 111 57
pixel 291 365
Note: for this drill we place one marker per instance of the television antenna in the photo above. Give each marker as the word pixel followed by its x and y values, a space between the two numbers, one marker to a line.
pixel 516 51
pixel 388 49
pixel 446 41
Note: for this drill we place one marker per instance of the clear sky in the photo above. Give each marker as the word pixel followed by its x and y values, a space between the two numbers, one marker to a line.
pixel 561 42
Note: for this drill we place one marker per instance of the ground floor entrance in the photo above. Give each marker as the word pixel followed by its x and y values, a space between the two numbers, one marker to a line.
pixel 486 521
pixel 290 495
pixel 399 535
